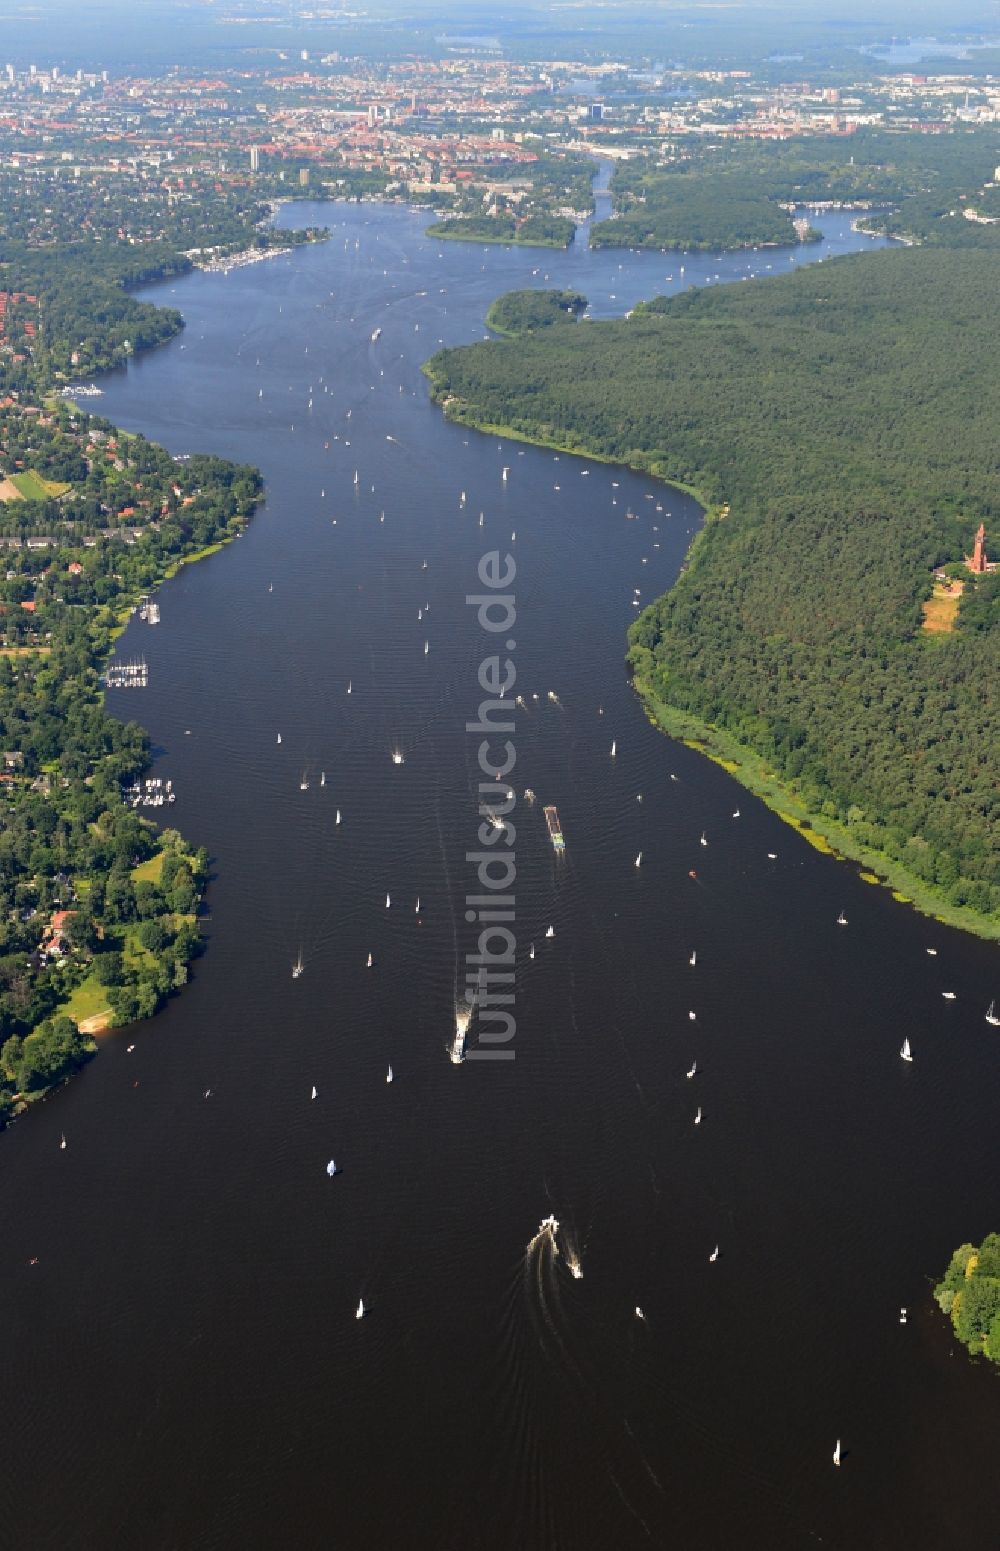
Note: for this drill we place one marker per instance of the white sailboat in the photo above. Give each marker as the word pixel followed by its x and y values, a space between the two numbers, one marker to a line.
pixel 692 1016
pixel 531 951
pixel 369 961
pixel 713 1257
pixel 331 1168
pixel 387 902
pixel 304 784
pixel 697 1118
pixel 638 860
pixel 337 819
pixel 991 1015
pixel 298 966
pixel 359 1312
pixel 692 1069
pixel 314 1094
pixel 614 747
pixel 704 841
pixel 416 908
pixel 427 647
pixel 736 813
pixel 279 737
pixel 388 1075
pixel 62 1142
pixel 841 919
pixel 349 686
pixel 836 1453
pixel 638 1313
pixel 694 957
pixel 322 778
pixel 550 931
pixel 905 1051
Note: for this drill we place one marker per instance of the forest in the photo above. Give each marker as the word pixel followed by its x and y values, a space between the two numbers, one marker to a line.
pixel 732 194
pixel 845 416
pixel 522 312
pixel 969 1294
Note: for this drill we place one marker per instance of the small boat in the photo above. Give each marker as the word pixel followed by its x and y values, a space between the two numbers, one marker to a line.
pixel 369 961
pixel 397 757
pixel 531 951
pixel 550 931
pixel 932 952
pixel 638 1313
pixel 62 1142
pixel 331 1168
pixel 991 1015
pixel 836 1453
pixel 736 813
pixel 279 737
pixel 427 647
pixel 298 966
pixel 949 996
pixel 314 1094
pixel 416 907
pixel 387 902
pixel 388 1075
pixel 303 785
pixel 905 1051
pixel 704 842
pixel 713 1257
pixel 349 686
pixel 638 860
pixel 902 1316
pixel 337 820
pixel 772 856
pixel 692 874
pixel 322 778
pixel 694 957
pixel 841 919
pixel 693 1069
pixel 359 1312
pixel 697 1118
pixel 692 1016
pixel 614 747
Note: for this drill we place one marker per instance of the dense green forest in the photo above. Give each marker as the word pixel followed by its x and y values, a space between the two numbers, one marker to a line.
pixel 970 1295
pixel 731 194
pixel 535 231
pixel 522 312
pixel 690 210
pixel 846 414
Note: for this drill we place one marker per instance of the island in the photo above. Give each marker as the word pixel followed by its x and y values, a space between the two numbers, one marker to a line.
pixel 534 231
pixel 969 1294
pixel 836 423
pixel 523 312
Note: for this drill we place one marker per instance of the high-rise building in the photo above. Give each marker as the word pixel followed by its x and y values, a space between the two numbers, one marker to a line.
pixel 255 158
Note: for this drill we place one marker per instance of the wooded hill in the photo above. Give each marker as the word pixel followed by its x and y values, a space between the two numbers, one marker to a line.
pixel 847 414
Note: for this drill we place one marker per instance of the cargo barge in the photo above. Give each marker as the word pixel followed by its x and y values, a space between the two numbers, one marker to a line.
pixel 555 832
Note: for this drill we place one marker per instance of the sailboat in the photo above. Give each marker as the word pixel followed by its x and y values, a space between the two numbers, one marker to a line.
pixel 355 476
pixel 349 686
pixel 427 647
pixel 694 957
pixel 713 1257
pixel 704 842
pixel 337 819
pixel 692 1016
pixel 693 1069
pixel 531 951
pixel 369 961
pixel 359 1312
pixel 62 1142
pixel 614 746
pixel 387 902
pixel 638 1313
pixel 736 813
pixel 298 966
pixel 836 1453
pixel 905 1051
pixel 279 737
pixel 638 860
pixel 304 784
pixel 841 919
pixel 388 1075
pixel 331 1168
pixel 550 931
pixel 991 1015
pixel 322 778
pixel 697 1118
pixel 314 1094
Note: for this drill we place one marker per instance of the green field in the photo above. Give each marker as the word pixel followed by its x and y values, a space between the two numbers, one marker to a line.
pixel 34 488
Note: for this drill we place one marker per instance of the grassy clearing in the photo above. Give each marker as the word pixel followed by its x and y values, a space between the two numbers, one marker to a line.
pixel 33 487
pixel 89 1000
pixel 149 871
pixel 941 608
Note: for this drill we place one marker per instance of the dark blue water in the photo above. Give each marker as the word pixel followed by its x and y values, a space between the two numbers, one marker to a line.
pixel 183 1368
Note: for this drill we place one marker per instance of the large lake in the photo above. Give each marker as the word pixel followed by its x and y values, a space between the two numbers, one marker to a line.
pixel 183 1368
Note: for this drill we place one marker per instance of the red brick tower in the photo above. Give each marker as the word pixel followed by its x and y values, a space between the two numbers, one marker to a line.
pixel 977 560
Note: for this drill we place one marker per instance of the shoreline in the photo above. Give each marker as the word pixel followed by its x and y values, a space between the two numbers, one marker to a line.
pixel 747 768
